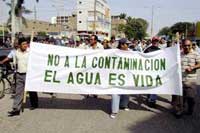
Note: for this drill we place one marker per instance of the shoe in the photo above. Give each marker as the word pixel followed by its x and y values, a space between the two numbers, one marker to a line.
pixel 124 108
pixel 95 96
pixel 33 107
pixel 113 115
pixel 178 115
pixel 13 113
pixel 12 96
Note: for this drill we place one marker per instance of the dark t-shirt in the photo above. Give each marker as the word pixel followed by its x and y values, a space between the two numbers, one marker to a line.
pixel 151 49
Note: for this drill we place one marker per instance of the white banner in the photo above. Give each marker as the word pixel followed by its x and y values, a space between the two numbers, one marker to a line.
pixel 67 70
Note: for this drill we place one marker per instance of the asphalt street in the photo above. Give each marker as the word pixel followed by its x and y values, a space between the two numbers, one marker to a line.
pixel 74 114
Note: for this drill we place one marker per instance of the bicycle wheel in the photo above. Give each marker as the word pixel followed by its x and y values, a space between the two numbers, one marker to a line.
pixel 2 88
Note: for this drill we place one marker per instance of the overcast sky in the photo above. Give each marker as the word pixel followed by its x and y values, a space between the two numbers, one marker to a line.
pixel 166 12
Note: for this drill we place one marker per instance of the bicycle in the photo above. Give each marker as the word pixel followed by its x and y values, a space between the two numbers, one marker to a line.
pixel 9 76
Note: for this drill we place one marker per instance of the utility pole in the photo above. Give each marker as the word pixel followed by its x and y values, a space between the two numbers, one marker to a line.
pixel 186 31
pixel 2 10
pixel 35 13
pixel 95 11
pixel 13 4
pixel 33 29
pixel 3 34
pixel 152 19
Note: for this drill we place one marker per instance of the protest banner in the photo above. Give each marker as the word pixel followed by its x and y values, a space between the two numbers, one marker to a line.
pixel 60 69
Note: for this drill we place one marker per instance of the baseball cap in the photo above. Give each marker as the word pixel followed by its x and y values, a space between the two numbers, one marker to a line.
pixel 124 41
pixel 155 38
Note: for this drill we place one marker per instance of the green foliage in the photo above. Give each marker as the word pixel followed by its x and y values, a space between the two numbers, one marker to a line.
pixel 122 16
pixel 135 28
pixel 165 31
pixel 42 33
pixel 181 27
pixel 5 32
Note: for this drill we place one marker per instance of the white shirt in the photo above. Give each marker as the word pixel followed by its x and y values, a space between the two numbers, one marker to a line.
pixel 98 46
pixel 22 60
pixel 113 45
pixel 162 46
pixel 83 46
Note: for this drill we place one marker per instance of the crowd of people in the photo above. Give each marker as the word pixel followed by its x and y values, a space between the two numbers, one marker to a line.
pixel 190 61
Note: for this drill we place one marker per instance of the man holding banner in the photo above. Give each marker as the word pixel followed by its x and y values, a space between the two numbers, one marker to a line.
pixel 120 101
pixel 21 59
pixel 151 100
pixel 94 45
pixel 190 61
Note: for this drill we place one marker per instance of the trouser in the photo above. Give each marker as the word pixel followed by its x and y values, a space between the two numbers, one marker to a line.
pixel 20 84
pixel 33 99
pixel 18 99
pixel 189 91
pixel 119 101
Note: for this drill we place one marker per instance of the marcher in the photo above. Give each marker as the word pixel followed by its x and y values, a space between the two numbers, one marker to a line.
pixel 151 99
pixel 106 44
pixel 190 61
pixel 21 59
pixel 120 101
pixel 113 44
pixel 11 55
pixel 7 60
pixel 94 44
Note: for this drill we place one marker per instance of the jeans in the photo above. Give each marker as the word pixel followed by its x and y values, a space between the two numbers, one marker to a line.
pixel 119 101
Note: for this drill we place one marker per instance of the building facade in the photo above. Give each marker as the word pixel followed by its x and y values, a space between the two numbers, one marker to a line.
pixel 116 22
pixel 93 16
pixel 40 26
pixel 68 23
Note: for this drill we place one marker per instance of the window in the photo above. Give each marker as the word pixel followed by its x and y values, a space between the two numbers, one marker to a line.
pixel 80 21
pixel 80 2
pixel 80 12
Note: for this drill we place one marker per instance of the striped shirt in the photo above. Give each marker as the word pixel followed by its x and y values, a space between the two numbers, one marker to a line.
pixel 189 60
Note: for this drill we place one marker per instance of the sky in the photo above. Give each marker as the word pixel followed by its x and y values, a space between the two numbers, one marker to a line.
pixel 166 12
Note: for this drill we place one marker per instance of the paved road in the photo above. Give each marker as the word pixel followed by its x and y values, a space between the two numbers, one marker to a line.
pixel 72 114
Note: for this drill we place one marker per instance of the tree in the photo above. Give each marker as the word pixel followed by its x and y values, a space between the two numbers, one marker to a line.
pixel 182 27
pixel 185 29
pixel 165 31
pixel 23 10
pixel 122 16
pixel 19 11
pixel 136 28
pixel 42 34
pixel 121 27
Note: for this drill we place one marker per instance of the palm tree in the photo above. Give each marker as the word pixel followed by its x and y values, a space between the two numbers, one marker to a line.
pixel 19 15
pixel 122 16
pixel 19 11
